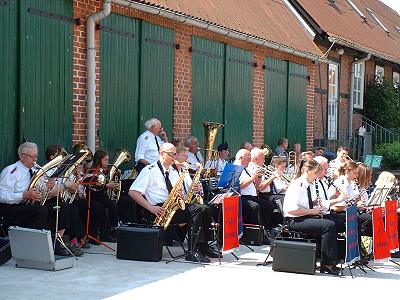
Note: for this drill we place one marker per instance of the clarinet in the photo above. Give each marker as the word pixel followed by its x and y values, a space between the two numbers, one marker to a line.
pixel 318 200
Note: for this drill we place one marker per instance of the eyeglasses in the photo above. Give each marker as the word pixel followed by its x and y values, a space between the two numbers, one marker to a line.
pixel 31 156
pixel 171 154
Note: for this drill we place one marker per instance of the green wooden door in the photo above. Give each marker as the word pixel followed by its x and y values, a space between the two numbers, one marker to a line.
pixel 275 100
pixel 119 83
pixel 45 75
pixel 8 82
pixel 297 104
pixel 208 59
pixel 238 107
pixel 157 75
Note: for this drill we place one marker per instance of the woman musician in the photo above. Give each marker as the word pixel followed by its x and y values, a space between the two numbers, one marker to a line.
pixel 303 216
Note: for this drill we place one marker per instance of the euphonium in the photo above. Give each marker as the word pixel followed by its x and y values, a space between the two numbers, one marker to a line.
pixel 41 177
pixel 121 156
pixel 191 197
pixel 173 202
pixel 82 153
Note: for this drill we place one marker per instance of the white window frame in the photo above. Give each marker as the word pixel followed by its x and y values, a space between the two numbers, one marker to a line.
pixel 358 85
pixel 396 79
pixel 379 72
pixel 333 100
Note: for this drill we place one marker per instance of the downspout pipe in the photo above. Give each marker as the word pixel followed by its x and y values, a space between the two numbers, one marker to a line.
pixel 351 92
pixel 91 72
pixel 217 29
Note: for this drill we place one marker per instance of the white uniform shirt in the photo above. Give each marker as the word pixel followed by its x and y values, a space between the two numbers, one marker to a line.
pixel 253 167
pixel 249 190
pixel 146 147
pixel 14 181
pixel 345 186
pixel 296 196
pixel 279 185
pixel 323 192
pixel 192 160
pixel 151 183
pixel 219 165
pixel 186 182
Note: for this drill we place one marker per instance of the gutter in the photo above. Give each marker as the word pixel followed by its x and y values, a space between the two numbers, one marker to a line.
pixel 351 91
pixel 91 72
pixel 217 28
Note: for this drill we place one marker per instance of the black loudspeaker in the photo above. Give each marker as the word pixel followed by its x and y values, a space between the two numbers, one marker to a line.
pixel 294 256
pixel 252 235
pixel 140 242
pixel 5 250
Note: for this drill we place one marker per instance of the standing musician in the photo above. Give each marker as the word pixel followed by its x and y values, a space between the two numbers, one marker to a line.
pixel 14 183
pixel 194 155
pixel 149 143
pixel 152 187
pixel 304 217
pixel 219 165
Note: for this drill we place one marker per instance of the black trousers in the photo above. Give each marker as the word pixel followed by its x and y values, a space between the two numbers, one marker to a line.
pixel 29 216
pixel 62 212
pixel 322 229
pixel 272 201
pixel 101 198
pixel 257 210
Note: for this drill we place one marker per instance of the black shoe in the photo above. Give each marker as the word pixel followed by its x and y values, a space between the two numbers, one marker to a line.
pixel 331 271
pixel 395 255
pixel 108 239
pixel 207 251
pixel 61 251
pixel 197 257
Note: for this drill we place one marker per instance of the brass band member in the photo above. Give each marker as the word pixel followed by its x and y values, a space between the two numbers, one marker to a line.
pixel 151 188
pixel 194 155
pixel 219 164
pixel 279 184
pixel 280 150
pixel 302 216
pixel 14 183
pixel 148 144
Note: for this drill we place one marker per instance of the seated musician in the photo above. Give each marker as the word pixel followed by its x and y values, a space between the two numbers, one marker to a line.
pixel 342 155
pixel 14 183
pixel 281 182
pixel 267 205
pixel 307 155
pixel 151 189
pixel 303 216
pixel 219 164
pixel 281 148
pixel 194 155
pixel 255 211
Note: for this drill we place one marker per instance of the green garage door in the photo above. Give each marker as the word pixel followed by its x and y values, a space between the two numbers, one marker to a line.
pixel 45 72
pixel 275 103
pixel 8 82
pixel 119 83
pixel 238 97
pixel 157 75
pixel 208 59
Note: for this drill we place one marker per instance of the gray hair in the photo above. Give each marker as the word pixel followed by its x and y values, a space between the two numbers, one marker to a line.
pixel 189 140
pixel 321 159
pixel 256 152
pixel 241 153
pixel 26 145
pixel 151 122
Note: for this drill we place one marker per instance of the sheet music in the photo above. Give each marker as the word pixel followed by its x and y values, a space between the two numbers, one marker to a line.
pixel 219 198
pixel 380 194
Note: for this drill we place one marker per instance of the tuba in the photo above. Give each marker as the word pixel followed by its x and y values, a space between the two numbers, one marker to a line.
pixel 41 177
pixel 211 130
pixel 191 198
pixel 81 153
pixel 266 150
pixel 173 202
pixel 121 156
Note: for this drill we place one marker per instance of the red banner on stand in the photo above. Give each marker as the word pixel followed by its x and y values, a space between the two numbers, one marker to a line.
pixel 380 237
pixel 391 222
pixel 230 207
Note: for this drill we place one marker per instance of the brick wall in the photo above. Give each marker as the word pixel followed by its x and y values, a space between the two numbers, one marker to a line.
pixel 182 76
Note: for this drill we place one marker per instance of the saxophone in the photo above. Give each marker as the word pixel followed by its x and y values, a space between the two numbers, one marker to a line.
pixel 173 202
pixel 190 197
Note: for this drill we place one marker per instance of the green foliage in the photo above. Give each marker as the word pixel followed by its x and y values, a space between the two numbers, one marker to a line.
pixel 390 153
pixel 382 103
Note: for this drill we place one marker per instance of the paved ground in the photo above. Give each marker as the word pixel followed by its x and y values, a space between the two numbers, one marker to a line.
pixel 98 275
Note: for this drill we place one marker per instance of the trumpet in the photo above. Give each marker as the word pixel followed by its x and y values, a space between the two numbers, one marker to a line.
pixel 266 170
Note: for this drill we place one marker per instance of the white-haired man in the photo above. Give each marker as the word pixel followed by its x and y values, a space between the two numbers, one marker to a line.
pixel 194 155
pixel 148 144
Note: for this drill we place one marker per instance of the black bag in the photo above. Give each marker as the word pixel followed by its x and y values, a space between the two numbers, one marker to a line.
pixel 294 256
pixel 252 235
pixel 140 242
pixel 5 250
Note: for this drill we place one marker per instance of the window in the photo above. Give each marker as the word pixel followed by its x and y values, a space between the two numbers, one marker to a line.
pixel 396 79
pixel 379 73
pixel 333 98
pixel 358 85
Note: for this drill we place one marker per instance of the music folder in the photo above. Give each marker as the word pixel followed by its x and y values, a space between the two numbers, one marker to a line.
pixel 230 177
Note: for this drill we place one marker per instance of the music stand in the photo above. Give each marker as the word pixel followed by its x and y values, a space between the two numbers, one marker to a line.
pixel 373 161
pixel 380 194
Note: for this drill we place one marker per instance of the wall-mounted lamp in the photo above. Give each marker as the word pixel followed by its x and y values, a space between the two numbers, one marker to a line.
pixel 340 51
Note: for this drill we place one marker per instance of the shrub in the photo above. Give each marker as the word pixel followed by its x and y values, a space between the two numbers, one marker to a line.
pixel 390 153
